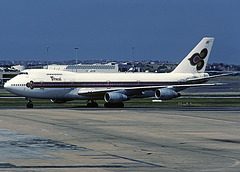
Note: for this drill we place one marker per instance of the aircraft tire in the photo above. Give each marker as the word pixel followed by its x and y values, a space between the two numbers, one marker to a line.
pixel 114 105
pixel 93 104
pixel 29 105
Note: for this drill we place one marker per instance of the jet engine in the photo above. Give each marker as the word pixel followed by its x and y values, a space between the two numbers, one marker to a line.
pixel 113 97
pixel 166 94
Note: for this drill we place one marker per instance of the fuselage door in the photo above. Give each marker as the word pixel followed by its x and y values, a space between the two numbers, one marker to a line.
pixel 108 84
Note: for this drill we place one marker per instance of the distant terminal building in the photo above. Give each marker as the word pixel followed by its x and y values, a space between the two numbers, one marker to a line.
pixel 81 68
pixel 125 67
pixel 7 74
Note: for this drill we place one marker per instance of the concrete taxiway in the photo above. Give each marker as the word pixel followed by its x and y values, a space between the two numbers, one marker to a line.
pixel 152 139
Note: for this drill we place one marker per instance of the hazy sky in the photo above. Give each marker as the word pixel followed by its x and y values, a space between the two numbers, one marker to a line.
pixel 108 29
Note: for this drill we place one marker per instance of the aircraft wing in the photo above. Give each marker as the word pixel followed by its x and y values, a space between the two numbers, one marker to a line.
pixel 102 91
pixel 98 92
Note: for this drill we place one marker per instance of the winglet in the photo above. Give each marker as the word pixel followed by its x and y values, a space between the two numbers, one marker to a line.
pixel 196 60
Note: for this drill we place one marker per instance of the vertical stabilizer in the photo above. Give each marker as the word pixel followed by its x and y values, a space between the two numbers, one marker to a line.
pixel 196 60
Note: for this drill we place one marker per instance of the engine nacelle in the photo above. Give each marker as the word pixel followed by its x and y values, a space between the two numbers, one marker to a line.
pixel 112 97
pixel 166 94
pixel 58 101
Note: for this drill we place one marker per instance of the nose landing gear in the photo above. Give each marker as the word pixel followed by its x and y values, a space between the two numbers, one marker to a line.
pixel 29 103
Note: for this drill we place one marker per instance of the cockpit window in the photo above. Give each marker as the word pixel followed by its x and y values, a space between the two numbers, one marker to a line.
pixel 23 73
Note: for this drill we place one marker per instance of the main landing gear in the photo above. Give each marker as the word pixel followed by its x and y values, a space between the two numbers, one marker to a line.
pixel 92 104
pixel 29 103
pixel 114 105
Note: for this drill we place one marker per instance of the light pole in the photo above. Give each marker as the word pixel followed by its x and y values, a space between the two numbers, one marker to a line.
pixel 76 57
pixel 133 48
pixel 47 47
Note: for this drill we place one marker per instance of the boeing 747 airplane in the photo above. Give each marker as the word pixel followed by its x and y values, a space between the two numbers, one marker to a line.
pixel 114 88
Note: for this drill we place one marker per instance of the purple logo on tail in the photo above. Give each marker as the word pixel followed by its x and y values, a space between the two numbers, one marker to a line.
pixel 197 59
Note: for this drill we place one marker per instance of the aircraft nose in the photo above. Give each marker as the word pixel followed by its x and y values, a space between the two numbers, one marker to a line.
pixel 7 85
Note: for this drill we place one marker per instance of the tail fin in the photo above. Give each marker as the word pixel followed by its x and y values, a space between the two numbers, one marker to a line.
pixel 196 60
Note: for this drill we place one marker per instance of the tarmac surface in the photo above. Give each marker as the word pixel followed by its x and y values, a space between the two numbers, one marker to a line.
pixel 127 139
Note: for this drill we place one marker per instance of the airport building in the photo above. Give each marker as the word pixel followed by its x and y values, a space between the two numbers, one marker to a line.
pixel 100 68
pixel 81 68
pixel 5 75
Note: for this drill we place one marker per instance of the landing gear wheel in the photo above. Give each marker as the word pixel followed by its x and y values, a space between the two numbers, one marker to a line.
pixel 92 104
pixel 114 105
pixel 29 105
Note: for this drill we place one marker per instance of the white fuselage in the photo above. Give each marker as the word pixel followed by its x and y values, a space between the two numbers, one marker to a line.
pixel 52 84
